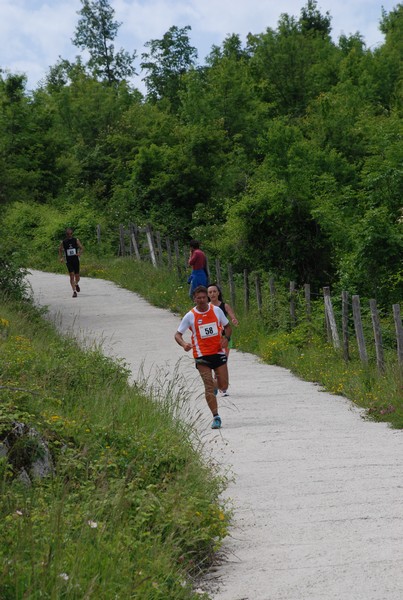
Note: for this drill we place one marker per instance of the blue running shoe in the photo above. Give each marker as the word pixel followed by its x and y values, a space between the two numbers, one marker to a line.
pixel 216 424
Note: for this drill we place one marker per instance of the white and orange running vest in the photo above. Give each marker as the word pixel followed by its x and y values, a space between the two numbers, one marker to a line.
pixel 206 329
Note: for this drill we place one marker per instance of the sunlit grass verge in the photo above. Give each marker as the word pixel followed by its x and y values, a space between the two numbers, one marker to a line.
pixel 162 287
pixel 302 349
pixel 132 510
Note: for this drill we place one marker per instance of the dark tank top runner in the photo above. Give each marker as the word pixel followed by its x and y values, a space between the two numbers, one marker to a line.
pixel 70 247
pixel 222 306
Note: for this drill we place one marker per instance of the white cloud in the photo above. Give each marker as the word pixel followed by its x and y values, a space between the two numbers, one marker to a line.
pixel 34 34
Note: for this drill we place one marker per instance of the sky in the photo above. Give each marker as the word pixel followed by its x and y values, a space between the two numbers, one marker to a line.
pixel 34 34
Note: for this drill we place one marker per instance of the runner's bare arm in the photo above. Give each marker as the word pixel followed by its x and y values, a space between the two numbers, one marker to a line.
pixel 79 244
pixel 179 340
pixel 227 336
pixel 231 313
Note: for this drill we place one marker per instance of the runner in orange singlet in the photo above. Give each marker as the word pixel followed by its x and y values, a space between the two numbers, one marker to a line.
pixel 206 323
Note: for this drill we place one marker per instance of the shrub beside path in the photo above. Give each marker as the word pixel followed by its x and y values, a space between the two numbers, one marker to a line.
pixel 317 489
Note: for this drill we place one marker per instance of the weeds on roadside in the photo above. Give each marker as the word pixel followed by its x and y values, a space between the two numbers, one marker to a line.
pixel 160 286
pixel 132 510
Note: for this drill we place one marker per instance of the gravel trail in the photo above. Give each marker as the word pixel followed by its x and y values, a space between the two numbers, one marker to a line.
pixel 317 489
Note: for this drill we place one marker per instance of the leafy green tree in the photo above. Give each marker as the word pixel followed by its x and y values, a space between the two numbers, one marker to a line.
pixel 80 116
pixel 167 62
pixel 63 73
pixel 388 61
pixel 360 181
pixel 271 226
pixel 373 267
pixel 223 97
pixel 169 179
pixel 95 32
pixel 21 140
pixel 283 155
pixel 293 65
pixel 382 171
pixel 230 95
pixel 312 21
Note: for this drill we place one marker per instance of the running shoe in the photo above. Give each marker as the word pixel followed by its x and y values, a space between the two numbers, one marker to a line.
pixel 216 424
pixel 74 294
pixel 224 393
pixel 77 287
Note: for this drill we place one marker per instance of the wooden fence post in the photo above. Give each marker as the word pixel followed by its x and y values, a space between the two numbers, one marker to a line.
pixel 185 253
pixel 399 333
pixel 231 285
pixel 151 246
pixel 258 292
pixel 169 252
pixel 344 325
pixel 207 271
pixel 272 303
pixel 122 247
pixel 328 328
pixel 246 289
pixel 359 331
pixel 177 257
pixel 331 318
pixel 308 308
pixel 133 241
pixel 159 246
pixel 218 272
pixel 292 304
pixel 380 362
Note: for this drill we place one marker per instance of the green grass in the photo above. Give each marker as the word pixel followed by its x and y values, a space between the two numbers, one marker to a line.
pixel 304 349
pixel 132 510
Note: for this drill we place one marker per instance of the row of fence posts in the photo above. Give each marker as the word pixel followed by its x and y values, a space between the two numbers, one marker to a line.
pixel 330 320
pixel 151 249
pixel 333 335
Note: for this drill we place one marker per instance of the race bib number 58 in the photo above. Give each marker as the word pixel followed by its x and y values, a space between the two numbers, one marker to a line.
pixel 208 330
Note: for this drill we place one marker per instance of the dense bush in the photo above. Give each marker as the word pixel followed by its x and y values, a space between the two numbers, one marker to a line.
pixel 282 155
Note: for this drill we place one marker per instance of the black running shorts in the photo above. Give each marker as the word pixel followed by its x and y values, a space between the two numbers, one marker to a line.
pixel 212 360
pixel 73 264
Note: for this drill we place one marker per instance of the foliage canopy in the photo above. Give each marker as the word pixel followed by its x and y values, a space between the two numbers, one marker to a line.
pixel 283 155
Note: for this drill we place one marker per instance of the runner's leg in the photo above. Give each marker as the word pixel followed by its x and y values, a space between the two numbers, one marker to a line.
pixel 72 281
pixel 206 375
pixel 222 377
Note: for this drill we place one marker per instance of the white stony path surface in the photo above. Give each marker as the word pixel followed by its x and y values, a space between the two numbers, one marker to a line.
pixel 317 489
